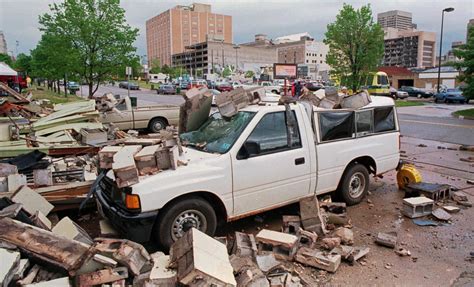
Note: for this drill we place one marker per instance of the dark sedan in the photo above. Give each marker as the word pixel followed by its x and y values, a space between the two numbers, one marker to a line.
pixel 416 92
pixel 450 96
pixel 129 85
pixel 166 90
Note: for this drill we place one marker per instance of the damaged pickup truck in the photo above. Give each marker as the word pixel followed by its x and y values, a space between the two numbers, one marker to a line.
pixel 264 157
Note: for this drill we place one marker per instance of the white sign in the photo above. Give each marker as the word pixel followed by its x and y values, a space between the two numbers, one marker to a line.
pixel 128 71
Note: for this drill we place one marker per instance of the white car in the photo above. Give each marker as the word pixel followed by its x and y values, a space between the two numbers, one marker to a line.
pixel 258 160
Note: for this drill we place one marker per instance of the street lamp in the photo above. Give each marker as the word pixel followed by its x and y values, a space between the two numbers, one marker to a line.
pixel 449 9
pixel 236 47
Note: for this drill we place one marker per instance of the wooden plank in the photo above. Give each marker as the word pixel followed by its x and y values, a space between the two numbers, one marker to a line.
pixel 75 126
pixel 44 245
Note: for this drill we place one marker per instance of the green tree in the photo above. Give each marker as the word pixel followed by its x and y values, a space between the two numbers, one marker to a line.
pixel 355 43
pixel 249 74
pixel 23 63
pixel 227 71
pixel 155 67
pixel 97 34
pixel 466 54
pixel 6 59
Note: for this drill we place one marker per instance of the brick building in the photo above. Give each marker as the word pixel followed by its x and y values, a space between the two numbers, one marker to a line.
pixel 173 30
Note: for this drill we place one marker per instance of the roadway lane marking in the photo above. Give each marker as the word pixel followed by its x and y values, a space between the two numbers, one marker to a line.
pixel 439 124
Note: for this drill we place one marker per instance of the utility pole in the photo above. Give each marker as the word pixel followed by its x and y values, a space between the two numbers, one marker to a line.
pixel 450 9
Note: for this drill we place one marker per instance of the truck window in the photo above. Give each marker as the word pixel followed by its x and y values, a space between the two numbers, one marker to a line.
pixel 384 119
pixel 271 132
pixel 336 125
pixel 364 122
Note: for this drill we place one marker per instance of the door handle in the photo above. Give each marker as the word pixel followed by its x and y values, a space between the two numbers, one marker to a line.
pixel 299 161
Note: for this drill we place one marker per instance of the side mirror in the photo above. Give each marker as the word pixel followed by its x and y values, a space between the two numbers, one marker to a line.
pixel 248 149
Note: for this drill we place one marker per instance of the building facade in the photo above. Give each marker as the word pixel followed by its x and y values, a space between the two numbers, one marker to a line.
pixel 397 19
pixel 173 30
pixel 409 48
pixel 3 44
pixel 213 56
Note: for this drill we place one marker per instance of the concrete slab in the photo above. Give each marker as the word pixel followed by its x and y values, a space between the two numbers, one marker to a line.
pixel 10 261
pixel 69 229
pixel 32 201
pixel 16 181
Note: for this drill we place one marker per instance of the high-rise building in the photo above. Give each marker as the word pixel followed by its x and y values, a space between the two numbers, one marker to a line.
pixel 3 44
pixel 469 25
pixel 409 48
pixel 396 19
pixel 177 28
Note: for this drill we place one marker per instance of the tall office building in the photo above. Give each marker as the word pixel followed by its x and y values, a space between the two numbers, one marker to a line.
pixel 175 29
pixel 397 19
pixel 3 44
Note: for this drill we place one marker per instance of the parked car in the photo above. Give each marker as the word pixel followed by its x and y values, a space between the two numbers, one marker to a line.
pixel 129 85
pixel 151 118
pixel 313 86
pixel 227 176
pixel 211 84
pixel 416 92
pixel 73 87
pixel 449 96
pixel 270 87
pixel 183 85
pixel 397 94
pixel 166 89
pixel 196 84
pixel 224 87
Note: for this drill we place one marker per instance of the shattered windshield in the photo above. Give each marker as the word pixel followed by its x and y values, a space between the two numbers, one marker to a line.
pixel 217 135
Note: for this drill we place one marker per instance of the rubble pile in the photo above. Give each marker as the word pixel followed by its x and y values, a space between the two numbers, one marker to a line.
pixel 329 98
pixel 137 157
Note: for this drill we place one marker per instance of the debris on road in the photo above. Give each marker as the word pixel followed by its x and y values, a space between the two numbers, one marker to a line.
pixel 387 239
pixel 414 207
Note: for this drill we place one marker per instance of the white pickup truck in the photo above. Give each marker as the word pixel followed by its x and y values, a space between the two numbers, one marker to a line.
pixel 270 87
pixel 262 158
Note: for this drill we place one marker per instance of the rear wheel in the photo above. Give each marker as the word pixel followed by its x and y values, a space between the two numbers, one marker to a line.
pixel 355 184
pixel 157 124
pixel 176 219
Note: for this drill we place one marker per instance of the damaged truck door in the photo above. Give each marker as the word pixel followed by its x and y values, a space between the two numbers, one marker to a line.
pixel 261 157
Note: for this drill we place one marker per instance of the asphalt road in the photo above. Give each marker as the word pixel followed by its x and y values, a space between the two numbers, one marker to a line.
pixel 435 122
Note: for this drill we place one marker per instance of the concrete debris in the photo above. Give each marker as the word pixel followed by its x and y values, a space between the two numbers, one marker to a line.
pixel 433 191
pixel 387 239
pixel 356 101
pixel 339 208
pixel 201 260
pixel 42 177
pixel 124 167
pixel 22 267
pixel 414 207
pixel 403 252
pixel 9 266
pixel 283 245
pixel 229 103
pixel 318 259
pixel 106 155
pixel 291 224
pixel 311 217
pixel 267 262
pixel 244 245
pixel 306 238
pixel 345 251
pixel 459 196
pixel 360 252
pixel 330 242
pixel 247 273
pixel 451 209
pixel 128 253
pixel 11 210
pixel 93 137
pixel 195 110
pixel 71 230
pixel 441 214
pixel 101 276
pixel 160 274
pixel 32 201
pixel 7 169
pixel 146 160
pixel 40 220
pixel 346 235
pixel 63 282
pixel 16 181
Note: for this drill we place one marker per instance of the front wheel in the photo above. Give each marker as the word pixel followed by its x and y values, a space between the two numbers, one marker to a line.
pixel 175 220
pixel 355 184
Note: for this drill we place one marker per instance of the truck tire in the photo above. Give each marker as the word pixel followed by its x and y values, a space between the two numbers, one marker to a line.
pixel 355 184
pixel 157 124
pixel 174 220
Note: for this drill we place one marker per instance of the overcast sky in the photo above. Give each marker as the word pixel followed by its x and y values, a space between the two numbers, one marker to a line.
pixel 19 18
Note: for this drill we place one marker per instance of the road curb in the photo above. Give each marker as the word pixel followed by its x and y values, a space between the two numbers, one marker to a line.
pixel 462 117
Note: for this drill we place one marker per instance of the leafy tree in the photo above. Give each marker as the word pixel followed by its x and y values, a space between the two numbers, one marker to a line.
pixel 155 67
pixel 356 45
pixel 6 59
pixel 23 63
pixel 97 34
pixel 227 71
pixel 249 74
pixel 466 54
